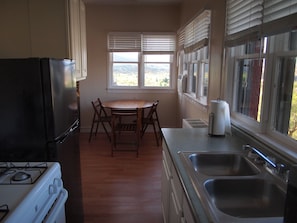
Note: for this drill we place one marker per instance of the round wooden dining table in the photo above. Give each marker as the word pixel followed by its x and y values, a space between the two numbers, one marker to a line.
pixel 127 104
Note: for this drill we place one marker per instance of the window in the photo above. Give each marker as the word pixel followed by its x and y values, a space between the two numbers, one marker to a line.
pixel 286 96
pixel 193 50
pixel 197 74
pixel 141 60
pixel 250 79
pixel 261 69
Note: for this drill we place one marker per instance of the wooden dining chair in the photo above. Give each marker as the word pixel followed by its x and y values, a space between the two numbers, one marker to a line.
pixel 99 116
pixel 125 130
pixel 152 119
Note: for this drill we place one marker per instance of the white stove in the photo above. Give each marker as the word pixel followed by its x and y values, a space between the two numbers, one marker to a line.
pixel 31 192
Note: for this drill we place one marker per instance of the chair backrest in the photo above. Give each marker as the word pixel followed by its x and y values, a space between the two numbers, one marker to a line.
pixel 102 109
pixel 153 111
pixel 98 108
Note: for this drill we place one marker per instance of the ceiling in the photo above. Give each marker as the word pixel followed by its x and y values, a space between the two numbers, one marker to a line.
pixel 132 2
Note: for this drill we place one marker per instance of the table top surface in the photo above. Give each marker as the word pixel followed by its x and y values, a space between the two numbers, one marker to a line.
pixel 127 104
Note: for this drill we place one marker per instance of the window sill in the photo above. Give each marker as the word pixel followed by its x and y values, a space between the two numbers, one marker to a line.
pixel 202 101
pixel 277 143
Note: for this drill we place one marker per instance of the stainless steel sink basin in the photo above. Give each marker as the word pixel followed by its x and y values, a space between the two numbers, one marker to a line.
pixel 233 188
pixel 246 198
pixel 215 164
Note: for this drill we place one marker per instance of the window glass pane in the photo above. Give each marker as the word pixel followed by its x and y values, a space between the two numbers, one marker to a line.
pixel 250 86
pixel 125 69
pixel 286 105
pixel 293 40
pixel 157 70
pixel 204 79
pixel 156 75
pixel 157 58
pixel 125 57
pixel 192 76
pixel 125 74
pixel 258 46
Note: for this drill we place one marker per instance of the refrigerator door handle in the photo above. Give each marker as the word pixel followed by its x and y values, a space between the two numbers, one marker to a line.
pixel 74 126
pixel 61 138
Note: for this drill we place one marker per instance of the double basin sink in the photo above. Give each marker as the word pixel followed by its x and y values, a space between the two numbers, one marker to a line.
pixel 232 188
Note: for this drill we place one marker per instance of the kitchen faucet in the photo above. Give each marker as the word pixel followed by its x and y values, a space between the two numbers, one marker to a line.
pixel 280 168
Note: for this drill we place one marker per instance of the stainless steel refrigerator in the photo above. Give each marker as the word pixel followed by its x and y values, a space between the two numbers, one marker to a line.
pixel 39 119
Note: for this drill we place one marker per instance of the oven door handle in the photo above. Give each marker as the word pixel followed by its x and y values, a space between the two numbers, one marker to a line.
pixel 54 215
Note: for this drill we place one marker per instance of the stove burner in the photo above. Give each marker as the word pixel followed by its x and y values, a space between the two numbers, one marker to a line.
pixel 20 176
pixel 21 172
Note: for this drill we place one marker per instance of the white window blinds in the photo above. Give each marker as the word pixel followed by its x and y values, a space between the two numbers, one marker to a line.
pixel 158 43
pixel 242 15
pixel 275 9
pixel 279 16
pixel 247 19
pixel 137 42
pixel 181 39
pixel 195 35
pixel 122 41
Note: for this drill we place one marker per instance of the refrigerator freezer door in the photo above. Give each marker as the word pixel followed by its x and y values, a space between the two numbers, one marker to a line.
pixel 60 96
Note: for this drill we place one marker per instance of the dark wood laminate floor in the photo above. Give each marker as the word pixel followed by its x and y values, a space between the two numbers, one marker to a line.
pixel 122 188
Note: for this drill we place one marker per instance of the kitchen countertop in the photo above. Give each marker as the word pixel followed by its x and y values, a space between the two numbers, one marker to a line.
pixel 196 139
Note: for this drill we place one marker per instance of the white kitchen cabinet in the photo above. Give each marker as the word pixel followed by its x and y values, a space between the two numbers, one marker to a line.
pixel 165 186
pixel 174 202
pixel 83 40
pixel 48 28
pixel 78 37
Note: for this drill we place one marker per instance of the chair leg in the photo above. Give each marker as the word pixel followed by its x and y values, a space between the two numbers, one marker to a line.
pixel 113 135
pixel 156 134
pixel 144 129
pixel 106 132
pixel 159 127
pixel 91 132
pixel 97 126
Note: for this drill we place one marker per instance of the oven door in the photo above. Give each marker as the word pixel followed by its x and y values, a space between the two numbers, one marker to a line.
pixel 57 212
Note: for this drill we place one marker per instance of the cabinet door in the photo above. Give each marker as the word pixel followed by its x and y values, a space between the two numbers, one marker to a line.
pixel 83 40
pixel 165 192
pixel 174 209
pixel 75 35
pixel 188 217
pixel 34 28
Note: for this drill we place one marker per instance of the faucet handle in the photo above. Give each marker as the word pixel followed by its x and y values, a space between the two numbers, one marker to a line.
pixel 246 147
pixel 281 169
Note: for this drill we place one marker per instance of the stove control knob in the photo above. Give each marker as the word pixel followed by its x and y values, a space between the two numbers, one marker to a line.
pixel 52 189
pixel 58 182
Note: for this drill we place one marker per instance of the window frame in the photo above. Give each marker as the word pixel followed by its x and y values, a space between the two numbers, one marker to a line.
pixel 280 21
pixel 196 58
pixel 111 77
pixel 142 51
pixel 193 50
pixel 265 129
